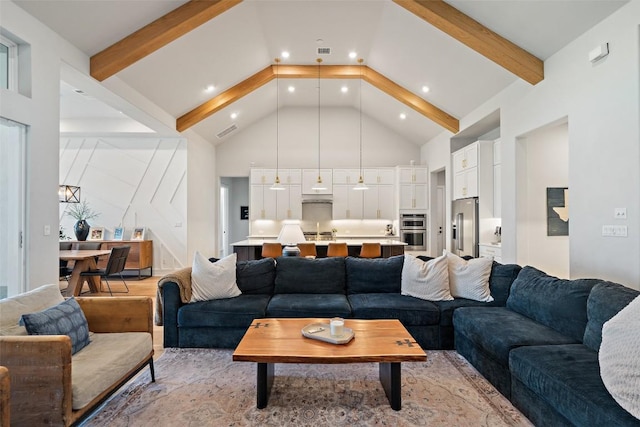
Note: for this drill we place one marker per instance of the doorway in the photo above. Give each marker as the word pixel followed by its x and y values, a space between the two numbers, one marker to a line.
pixel 12 207
pixel 438 212
pixel 224 221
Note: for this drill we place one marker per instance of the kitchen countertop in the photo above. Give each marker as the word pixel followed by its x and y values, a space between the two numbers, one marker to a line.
pixel 349 241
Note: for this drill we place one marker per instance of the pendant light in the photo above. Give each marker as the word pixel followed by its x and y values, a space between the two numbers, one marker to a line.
pixel 276 185
pixel 319 186
pixel 361 185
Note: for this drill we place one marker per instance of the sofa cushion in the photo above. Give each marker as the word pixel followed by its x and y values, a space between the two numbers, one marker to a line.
pixel 12 308
pixel 448 307
pixel 567 377
pixel 66 318
pixel 408 310
pixel 498 330
pixel 216 280
pixel 605 300
pixel 365 275
pixel 426 280
pixel 229 312
pixel 296 275
pixel 256 276
pixel 500 281
pixel 106 361
pixel 309 305
pixel 557 303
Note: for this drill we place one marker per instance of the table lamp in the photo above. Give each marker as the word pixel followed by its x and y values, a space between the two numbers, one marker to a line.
pixel 290 235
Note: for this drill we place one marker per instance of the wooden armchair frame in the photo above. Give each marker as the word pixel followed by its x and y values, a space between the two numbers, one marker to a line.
pixel 40 365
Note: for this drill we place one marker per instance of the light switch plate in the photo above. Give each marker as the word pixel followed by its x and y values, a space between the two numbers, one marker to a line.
pixel 614 230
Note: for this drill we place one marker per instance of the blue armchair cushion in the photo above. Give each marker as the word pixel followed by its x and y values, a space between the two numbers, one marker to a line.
pixel 296 275
pixel 65 318
pixel 309 305
pixel 408 310
pixel 567 377
pixel 223 313
pixel 375 275
pixel 557 303
pixel 605 300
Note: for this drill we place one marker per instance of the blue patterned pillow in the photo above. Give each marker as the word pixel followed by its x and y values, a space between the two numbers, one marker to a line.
pixel 65 318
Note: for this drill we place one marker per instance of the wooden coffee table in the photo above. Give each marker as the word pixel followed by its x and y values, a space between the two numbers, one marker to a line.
pixel 387 342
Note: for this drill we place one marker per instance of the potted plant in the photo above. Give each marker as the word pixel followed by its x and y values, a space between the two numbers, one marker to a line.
pixel 81 212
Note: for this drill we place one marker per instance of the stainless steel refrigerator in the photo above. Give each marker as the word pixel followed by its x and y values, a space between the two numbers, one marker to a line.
pixel 464 229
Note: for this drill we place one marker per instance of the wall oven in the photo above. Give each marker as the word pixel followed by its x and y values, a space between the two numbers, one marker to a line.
pixel 413 231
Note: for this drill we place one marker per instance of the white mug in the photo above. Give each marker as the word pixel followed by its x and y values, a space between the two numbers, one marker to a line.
pixel 337 326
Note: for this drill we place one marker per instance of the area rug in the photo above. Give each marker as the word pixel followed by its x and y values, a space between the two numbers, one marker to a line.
pixel 204 387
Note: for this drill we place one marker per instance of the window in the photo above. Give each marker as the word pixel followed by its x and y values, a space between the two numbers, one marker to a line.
pixel 8 64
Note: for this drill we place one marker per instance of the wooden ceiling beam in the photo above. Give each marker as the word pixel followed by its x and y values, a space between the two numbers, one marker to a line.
pixel 478 37
pixel 311 72
pixel 155 35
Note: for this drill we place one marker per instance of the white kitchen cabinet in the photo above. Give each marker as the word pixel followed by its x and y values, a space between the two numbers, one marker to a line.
pixel 490 251
pixel 263 202
pixel 347 202
pixel 497 179
pixel 379 202
pixel 310 177
pixel 465 158
pixel 413 175
pixel 465 184
pixel 262 176
pixel 346 176
pixel 290 176
pixel 289 202
pixel 379 176
pixel 413 196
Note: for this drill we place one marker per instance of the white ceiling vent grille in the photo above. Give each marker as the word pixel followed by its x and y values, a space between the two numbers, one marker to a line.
pixel 227 131
pixel 324 51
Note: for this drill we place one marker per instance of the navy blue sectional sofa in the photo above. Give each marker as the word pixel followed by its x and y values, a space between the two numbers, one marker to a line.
pixel 537 342
pixel 541 349
pixel 325 287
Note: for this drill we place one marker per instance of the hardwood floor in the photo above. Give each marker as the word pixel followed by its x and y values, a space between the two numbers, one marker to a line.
pixel 146 287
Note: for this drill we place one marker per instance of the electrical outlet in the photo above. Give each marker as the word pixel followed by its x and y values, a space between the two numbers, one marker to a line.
pixel 614 230
pixel 620 213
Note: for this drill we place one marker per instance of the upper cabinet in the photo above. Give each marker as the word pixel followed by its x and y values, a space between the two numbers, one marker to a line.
pixel 497 179
pixel 345 176
pixel 413 187
pixel 379 176
pixel 473 169
pixel 310 179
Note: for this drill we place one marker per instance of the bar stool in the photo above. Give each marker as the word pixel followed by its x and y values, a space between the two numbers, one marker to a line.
pixel 307 249
pixel 271 250
pixel 337 249
pixel 371 250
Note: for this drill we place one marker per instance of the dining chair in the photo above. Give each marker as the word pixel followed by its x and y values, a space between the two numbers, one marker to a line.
pixel 271 250
pixel 337 249
pixel 307 249
pixel 115 266
pixel 371 250
pixel 87 246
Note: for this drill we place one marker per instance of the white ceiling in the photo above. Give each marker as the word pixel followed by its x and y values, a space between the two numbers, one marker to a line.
pixel 246 39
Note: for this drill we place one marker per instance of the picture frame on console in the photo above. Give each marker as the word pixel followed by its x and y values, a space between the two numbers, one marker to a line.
pixel 118 233
pixel 138 233
pixel 96 233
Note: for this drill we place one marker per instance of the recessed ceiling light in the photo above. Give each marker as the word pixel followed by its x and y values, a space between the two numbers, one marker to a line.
pixel 344 89
pixel 285 54
pixel 291 89
pixel 403 116
pixel 425 89
pixel 353 55
pixel 209 88
pixel 234 115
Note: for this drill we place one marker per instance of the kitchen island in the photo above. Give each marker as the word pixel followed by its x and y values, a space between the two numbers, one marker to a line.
pixel 252 248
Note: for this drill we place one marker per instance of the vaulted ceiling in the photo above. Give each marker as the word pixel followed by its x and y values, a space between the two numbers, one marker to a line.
pixel 465 51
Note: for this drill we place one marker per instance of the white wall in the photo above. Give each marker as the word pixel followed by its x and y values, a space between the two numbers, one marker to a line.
pixel 545 163
pixel 601 102
pixel 298 143
pixel 132 182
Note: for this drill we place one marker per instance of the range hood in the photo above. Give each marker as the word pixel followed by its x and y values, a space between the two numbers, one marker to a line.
pixel 317 209
pixel 316 201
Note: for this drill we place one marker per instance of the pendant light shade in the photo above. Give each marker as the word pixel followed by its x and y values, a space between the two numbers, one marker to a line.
pixel 276 184
pixel 361 185
pixel 319 186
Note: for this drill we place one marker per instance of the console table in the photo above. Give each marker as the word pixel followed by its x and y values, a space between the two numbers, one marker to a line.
pixel 140 255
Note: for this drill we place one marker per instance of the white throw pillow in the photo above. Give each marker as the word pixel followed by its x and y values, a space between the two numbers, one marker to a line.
pixel 469 279
pixel 427 280
pixel 213 280
pixel 619 357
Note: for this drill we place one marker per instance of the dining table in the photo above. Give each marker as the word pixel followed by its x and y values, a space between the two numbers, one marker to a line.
pixel 84 260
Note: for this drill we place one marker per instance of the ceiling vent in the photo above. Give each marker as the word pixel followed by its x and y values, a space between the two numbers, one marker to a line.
pixel 227 131
pixel 324 51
